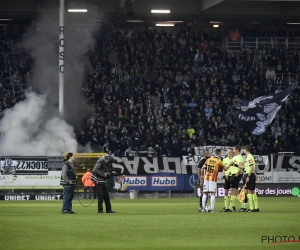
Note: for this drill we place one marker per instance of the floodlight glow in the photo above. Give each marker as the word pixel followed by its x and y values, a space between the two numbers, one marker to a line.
pixel 161 11
pixel 164 24
pixel 77 10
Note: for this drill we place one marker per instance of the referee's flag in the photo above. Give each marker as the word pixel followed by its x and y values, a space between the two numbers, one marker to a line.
pixel 260 112
pixel 241 195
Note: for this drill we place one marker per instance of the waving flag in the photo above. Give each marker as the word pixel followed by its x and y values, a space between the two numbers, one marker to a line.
pixel 260 112
pixel 241 195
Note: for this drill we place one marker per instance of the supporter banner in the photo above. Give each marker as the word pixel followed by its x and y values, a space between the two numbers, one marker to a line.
pixel 286 169
pixel 283 189
pixel 259 113
pixel 154 165
pixel 15 165
pixel 50 181
pixel 26 197
pixel 211 149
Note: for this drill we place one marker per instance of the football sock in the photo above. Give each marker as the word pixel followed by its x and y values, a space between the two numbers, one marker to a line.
pixel 201 200
pixel 212 202
pixel 232 201
pixel 226 202
pixel 204 197
pixel 255 200
pixel 250 201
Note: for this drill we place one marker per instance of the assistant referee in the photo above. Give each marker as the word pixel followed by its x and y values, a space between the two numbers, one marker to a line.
pixel 250 179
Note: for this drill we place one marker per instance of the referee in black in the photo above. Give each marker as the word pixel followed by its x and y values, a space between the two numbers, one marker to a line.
pixel 201 163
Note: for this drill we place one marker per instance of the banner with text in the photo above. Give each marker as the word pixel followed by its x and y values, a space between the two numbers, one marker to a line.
pixel 273 189
pixel 26 197
pixel 211 149
pixel 18 165
pixel 157 182
pixel 136 165
pixel 177 165
pixel 50 181
pixel 286 169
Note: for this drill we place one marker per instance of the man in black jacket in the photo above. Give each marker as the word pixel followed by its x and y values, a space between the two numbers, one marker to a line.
pixel 101 173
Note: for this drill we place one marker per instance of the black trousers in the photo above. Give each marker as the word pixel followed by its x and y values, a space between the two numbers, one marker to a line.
pixel 103 194
pixel 95 192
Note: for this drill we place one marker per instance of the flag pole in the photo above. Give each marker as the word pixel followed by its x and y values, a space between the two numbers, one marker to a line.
pixel 61 58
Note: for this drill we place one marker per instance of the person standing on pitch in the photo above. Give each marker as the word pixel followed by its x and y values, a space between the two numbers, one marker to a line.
pixel 201 163
pixel 250 179
pixel 68 181
pixel 87 183
pixel 235 176
pixel 209 182
pixel 101 172
pixel 226 173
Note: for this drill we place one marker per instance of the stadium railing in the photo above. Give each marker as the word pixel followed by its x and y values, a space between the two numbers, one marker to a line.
pixel 267 42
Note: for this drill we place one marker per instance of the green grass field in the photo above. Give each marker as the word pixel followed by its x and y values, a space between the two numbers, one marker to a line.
pixel 146 224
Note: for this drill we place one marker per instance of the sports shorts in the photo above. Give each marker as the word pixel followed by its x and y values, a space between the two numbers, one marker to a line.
pixel 251 184
pixel 226 184
pixel 209 186
pixel 234 181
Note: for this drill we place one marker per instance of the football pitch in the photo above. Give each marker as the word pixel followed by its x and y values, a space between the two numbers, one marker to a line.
pixel 148 224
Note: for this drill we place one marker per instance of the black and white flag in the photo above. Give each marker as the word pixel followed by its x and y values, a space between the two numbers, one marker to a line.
pixel 260 112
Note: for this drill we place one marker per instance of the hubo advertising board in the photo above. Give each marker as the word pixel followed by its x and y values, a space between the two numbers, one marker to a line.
pixel 157 182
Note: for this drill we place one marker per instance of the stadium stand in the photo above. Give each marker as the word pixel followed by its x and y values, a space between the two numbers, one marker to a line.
pixel 158 93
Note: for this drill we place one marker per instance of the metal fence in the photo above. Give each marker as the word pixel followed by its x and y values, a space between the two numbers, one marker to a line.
pixel 265 42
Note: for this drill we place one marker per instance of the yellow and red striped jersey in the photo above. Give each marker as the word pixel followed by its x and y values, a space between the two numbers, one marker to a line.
pixel 213 165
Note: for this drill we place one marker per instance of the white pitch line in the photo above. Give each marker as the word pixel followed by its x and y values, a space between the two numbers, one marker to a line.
pixel 155 212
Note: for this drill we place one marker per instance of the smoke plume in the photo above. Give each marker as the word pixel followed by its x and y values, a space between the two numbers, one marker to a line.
pixel 33 127
pixel 28 130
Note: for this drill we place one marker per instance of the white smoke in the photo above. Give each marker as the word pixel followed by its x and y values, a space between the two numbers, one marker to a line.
pixel 27 131
pixel 33 127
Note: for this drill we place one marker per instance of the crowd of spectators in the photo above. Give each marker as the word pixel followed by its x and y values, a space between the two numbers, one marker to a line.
pixel 15 65
pixel 166 94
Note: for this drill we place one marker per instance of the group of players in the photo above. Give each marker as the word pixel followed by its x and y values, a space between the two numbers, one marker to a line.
pixel 235 169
